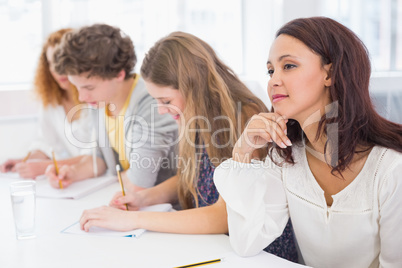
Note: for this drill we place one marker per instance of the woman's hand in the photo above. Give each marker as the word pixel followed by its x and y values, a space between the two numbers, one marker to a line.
pixel 109 218
pixel 66 175
pixel 31 169
pixel 132 199
pixel 261 129
pixel 9 165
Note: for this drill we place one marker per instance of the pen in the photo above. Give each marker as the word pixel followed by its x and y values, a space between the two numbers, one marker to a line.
pixel 121 182
pixel 200 263
pixel 26 157
pixel 57 169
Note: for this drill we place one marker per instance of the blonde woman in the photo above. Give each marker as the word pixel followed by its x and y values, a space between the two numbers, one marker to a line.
pixel 58 96
pixel 211 106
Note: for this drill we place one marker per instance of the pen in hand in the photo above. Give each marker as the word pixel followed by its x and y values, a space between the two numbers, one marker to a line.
pixel 26 157
pixel 121 182
pixel 57 170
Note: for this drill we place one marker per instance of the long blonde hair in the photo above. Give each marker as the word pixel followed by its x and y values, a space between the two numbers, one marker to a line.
pixel 45 86
pixel 213 94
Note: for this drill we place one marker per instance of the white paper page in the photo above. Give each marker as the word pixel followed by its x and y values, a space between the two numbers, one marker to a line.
pixel 75 228
pixel 75 190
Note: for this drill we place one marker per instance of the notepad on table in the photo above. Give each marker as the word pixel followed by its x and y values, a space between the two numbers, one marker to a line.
pixel 75 190
pixel 98 231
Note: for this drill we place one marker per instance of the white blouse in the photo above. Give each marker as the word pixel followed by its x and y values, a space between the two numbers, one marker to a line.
pixel 362 228
pixel 67 139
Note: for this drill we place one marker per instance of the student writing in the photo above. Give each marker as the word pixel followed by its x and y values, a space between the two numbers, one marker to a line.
pixel 211 106
pixel 99 60
pixel 58 96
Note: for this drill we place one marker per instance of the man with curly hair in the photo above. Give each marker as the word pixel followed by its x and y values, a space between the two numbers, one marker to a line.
pixel 99 60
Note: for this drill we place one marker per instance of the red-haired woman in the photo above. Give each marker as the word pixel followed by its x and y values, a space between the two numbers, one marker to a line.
pixel 58 129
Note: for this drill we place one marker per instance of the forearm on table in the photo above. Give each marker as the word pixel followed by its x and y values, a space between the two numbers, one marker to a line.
pixel 69 161
pixel 72 160
pixel 206 220
pixel 84 168
pixel 165 192
pixel 38 154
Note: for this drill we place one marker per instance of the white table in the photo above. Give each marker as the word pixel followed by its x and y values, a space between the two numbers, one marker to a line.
pixel 54 249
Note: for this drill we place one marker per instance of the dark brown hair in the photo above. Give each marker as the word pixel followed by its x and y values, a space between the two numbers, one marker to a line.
pixel 212 91
pixel 357 123
pixel 100 49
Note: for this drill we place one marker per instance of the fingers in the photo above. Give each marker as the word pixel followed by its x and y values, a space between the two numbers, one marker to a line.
pixel 105 217
pixel 272 128
pixel 53 179
pixel 29 169
pixel 23 170
pixel 88 219
pixel 64 171
pixel 9 165
pixel 119 201
pixel 63 176
pixel 115 202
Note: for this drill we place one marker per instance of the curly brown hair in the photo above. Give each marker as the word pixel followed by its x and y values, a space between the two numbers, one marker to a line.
pixel 100 50
pixel 45 86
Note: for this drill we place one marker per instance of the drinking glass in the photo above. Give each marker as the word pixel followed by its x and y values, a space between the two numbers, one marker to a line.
pixel 23 199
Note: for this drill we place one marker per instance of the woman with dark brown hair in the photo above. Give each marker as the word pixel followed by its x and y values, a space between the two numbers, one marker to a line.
pixel 57 127
pixel 335 165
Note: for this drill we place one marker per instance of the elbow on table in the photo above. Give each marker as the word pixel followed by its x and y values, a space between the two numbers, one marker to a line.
pixel 245 251
pixel 244 246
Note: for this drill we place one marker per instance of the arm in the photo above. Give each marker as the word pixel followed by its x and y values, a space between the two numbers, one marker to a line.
pixel 205 220
pixel 32 169
pixel 255 197
pixel 80 170
pixel 165 192
pixel 10 164
pixel 256 204
pixel 390 201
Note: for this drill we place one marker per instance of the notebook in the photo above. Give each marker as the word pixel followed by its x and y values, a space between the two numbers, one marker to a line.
pixel 75 190
pixel 98 231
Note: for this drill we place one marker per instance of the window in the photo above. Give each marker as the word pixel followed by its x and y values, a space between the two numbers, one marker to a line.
pixel 145 21
pixel 21 41
pixel 378 23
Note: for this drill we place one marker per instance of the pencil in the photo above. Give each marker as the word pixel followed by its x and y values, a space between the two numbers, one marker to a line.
pixel 26 157
pixel 121 182
pixel 200 263
pixel 57 169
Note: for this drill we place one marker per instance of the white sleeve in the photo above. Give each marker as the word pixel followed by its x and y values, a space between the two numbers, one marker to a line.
pixel 256 204
pixel 390 198
pixel 45 133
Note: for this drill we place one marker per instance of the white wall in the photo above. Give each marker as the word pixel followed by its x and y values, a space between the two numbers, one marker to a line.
pixel 16 134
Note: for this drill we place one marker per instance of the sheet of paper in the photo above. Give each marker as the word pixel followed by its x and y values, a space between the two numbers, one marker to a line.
pixel 75 190
pixel 97 231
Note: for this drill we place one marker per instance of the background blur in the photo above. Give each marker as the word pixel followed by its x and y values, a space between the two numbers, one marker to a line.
pixel 240 31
